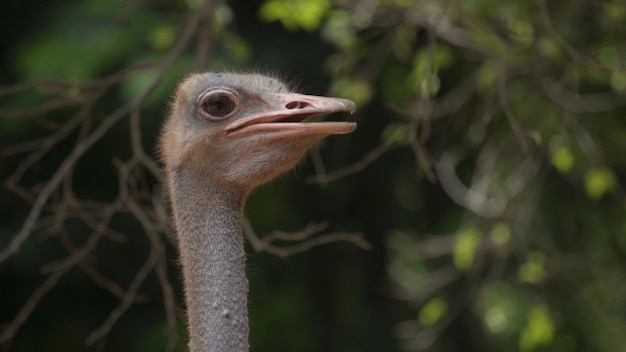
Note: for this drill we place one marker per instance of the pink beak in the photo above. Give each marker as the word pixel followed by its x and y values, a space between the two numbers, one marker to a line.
pixel 286 120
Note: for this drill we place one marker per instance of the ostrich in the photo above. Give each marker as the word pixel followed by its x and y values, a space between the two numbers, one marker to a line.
pixel 227 134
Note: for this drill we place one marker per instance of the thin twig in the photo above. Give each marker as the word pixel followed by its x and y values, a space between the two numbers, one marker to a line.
pixel 352 168
pixel 55 180
pixel 115 315
pixel 304 236
pixel 30 305
pixel 508 112
pixel 578 57
pixel 205 35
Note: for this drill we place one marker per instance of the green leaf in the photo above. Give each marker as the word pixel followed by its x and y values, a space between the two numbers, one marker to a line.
pixel 432 311
pixel 488 40
pixel 549 48
pixel 403 42
pixel 618 81
pixel 338 30
pixel 305 14
pixel 598 181
pixel 55 54
pixel 615 10
pixel 502 307
pixel 396 132
pixel 610 56
pixel 423 78
pixel 495 319
pixel 162 37
pixel 194 4
pixel 487 77
pixel 521 30
pixel 533 271
pixel 466 244
pixel 563 160
pixel 534 135
pixel 358 91
pixel 539 331
pixel 501 233
pixel 241 50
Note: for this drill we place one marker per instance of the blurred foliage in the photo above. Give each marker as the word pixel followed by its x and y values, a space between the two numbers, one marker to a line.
pixel 432 311
pixel 304 14
pixel 465 246
pixel 539 331
pixel 488 170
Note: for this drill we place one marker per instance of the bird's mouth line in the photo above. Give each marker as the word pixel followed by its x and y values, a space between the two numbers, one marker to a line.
pixel 289 125
pixel 290 121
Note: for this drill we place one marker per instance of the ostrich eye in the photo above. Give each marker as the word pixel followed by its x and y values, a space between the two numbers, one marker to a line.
pixel 219 104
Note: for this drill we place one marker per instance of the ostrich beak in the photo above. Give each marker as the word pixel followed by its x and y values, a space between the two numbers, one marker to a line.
pixel 287 119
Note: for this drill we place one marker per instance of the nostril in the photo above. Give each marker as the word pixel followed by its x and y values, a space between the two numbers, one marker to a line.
pixel 296 105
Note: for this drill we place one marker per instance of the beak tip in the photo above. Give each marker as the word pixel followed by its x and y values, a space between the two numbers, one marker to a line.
pixel 351 127
pixel 350 105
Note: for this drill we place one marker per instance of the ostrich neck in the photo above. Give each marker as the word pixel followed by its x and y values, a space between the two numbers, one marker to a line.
pixel 208 219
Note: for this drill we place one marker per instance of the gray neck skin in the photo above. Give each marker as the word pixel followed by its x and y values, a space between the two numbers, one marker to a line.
pixel 208 220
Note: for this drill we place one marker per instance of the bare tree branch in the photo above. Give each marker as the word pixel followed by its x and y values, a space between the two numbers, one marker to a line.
pixel 303 236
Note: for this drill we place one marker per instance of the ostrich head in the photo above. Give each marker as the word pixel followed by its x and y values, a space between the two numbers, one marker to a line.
pixel 243 129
